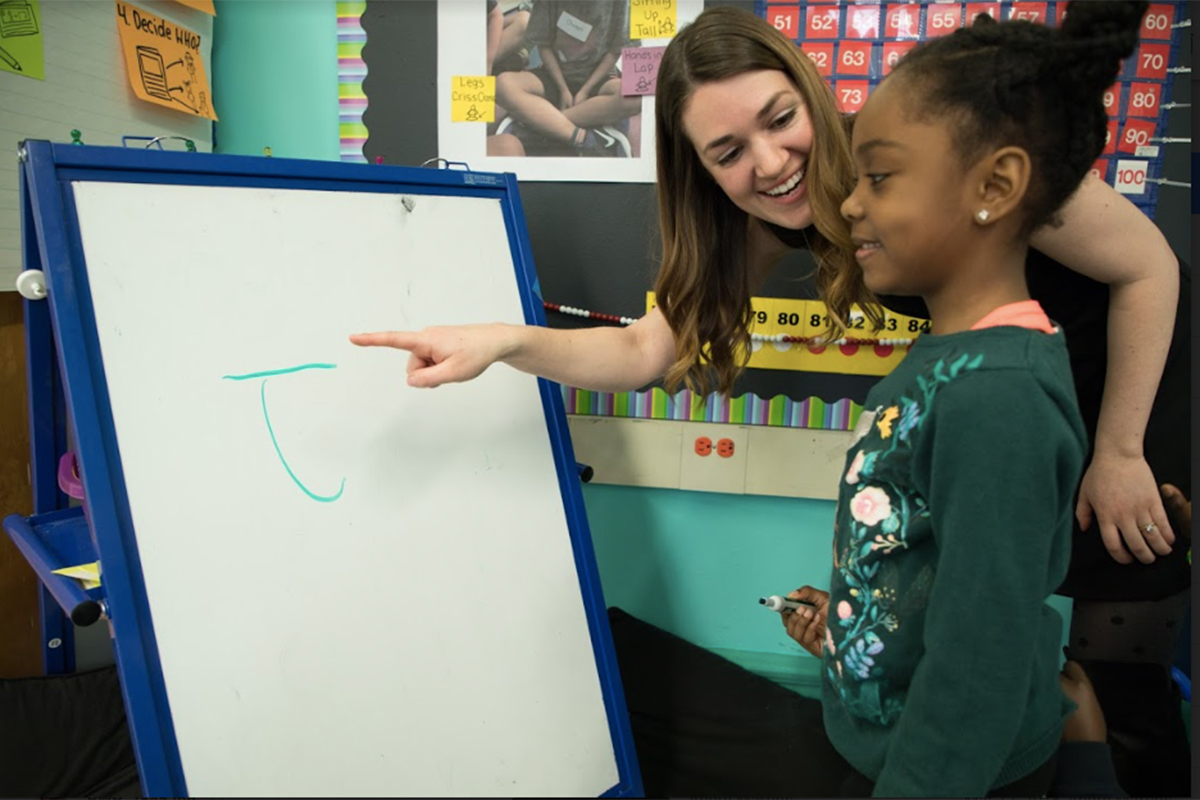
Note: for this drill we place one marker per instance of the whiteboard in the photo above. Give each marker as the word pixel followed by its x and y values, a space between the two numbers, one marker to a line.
pixel 357 588
pixel 87 89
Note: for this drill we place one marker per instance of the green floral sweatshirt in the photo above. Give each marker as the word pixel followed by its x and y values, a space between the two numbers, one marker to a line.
pixel 953 528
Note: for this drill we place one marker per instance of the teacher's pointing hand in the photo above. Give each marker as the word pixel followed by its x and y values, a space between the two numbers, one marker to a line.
pixel 443 354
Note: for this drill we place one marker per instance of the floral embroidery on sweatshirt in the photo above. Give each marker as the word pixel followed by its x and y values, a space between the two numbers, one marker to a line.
pixel 874 533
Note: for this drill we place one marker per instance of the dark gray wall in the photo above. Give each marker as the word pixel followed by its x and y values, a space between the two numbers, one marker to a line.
pixel 595 244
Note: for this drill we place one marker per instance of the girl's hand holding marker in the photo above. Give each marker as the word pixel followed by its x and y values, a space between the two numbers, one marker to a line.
pixel 782 604
pixel 803 613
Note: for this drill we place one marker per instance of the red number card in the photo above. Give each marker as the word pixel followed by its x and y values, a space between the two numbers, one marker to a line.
pixel 975 9
pixel 1100 169
pixel 821 54
pixel 1152 61
pixel 1135 134
pixel 1144 99
pixel 893 52
pixel 1030 12
pixel 903 22
pixel 1110 139
pixel 1157 22
pixel 823 22
pixel 862 22
pixel 940 20
pixel 851 95
pixel 786 20
pixel 854 58
pixel 1112 98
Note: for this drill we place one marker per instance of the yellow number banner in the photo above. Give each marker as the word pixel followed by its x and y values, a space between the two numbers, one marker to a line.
pixel 775 316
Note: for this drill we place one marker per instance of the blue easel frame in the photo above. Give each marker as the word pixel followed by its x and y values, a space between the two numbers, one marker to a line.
pixel 69 330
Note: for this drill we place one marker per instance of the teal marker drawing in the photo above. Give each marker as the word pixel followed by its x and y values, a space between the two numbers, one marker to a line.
pixel 268 373
pixel 271 430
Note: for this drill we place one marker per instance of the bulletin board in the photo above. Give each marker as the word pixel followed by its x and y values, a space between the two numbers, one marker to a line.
pixel 855 45
pixel 596 244
pixel 85 87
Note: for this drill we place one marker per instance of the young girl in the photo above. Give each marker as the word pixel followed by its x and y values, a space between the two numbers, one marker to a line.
pixel 954 513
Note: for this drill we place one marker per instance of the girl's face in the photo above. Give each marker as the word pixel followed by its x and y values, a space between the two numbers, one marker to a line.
pixel 753 135
pixel 911 211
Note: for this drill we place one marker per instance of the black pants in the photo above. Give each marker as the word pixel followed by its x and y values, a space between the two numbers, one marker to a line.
pixel 705 727
pixel 1142 709
pixel 66 736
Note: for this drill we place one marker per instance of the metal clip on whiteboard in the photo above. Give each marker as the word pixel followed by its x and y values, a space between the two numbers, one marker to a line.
pixel 448 164
pixel 157 140
pixel 31 284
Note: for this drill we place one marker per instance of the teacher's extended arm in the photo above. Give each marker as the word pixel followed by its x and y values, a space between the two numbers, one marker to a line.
pixel 600 359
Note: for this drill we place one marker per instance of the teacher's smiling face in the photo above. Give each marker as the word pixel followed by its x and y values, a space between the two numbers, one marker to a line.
pixel 753 134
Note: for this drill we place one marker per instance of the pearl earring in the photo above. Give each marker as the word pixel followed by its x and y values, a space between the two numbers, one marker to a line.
pixel 983 215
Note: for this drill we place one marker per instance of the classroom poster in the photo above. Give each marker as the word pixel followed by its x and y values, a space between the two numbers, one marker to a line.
pixel 164 62
pixel 21 39
pixel 475 127
pixel 200 5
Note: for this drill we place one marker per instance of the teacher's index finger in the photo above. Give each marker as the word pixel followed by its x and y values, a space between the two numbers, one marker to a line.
pixel 401 340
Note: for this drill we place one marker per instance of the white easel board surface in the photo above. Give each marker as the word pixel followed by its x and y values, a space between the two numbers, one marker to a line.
pixel 323 581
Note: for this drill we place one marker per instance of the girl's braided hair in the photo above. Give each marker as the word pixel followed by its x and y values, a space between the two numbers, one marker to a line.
pixel 1029 85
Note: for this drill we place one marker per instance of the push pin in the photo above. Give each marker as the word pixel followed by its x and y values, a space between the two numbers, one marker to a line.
pixel 378 159
pixel 76 136
pixel 191 146
pixel 267 151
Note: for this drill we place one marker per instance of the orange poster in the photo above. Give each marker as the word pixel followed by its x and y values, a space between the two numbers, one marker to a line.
pixel 164 62
pixel 200 5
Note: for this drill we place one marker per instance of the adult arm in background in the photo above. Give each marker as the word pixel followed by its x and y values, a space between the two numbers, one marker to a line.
pixel 1106 238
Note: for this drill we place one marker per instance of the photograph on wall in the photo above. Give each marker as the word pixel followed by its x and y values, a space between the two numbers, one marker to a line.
pixel 539 87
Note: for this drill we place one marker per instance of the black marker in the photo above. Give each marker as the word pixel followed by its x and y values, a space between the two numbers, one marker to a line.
pixel 777 603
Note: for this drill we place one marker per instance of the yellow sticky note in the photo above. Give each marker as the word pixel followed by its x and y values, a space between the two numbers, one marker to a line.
pixel 21 39
pixel 200 5
pixel 652 19
pixel 88 573
pixel 164 62
pixel 473 98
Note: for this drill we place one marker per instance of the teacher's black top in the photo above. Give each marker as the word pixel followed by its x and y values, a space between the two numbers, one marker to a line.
pixel 1080 305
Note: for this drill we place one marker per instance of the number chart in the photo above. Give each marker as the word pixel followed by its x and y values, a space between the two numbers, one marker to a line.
pixel 786 334
pixel 855 45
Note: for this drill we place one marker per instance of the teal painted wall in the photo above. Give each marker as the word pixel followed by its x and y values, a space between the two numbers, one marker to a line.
pixel 693 563
pixel 275 78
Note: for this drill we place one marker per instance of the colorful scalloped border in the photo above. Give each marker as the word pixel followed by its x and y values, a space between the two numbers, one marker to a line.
pixel 747 409
pixel 352 102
